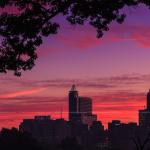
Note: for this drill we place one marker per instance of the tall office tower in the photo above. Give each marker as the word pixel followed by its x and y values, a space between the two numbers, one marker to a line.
pixel 85 111
pixel 85 105
pixel 73 103
pixel 144 115
pixel 148 100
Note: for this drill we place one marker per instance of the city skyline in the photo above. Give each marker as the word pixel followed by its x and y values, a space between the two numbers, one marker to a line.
pixel 114 71
pixel 64 113
pixel 83 125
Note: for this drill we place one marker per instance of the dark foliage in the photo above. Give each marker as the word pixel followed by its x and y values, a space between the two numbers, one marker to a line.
pixel 70 144
pixel 22 31
pixel 141 144
pixel 15 140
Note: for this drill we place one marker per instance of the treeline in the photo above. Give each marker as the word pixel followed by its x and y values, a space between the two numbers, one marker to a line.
pixel 13 139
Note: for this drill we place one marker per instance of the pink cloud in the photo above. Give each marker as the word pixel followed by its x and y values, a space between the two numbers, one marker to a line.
pixel 86 38
pixel 80 41
pixel 137 34
pixel 83 38
pixel 142 38
pixel 22 93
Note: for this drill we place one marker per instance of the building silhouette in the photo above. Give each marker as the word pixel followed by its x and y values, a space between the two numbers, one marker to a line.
pixel 85 105
pixel 73 105
pixel 80 108
pixel 45 129
pixel 85 111
pixel 144 115
pixel 120 135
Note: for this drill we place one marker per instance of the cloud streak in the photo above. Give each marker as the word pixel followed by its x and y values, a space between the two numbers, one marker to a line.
pixel 84 38
pixel 112 96
pixel 21 93
pixel 28 87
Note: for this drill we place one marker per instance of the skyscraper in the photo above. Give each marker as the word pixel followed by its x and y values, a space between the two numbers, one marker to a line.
pixel 148 100
pixel 85 111
pixel 80 108
pixel 73 103
pixel 144 115
pixel 85 105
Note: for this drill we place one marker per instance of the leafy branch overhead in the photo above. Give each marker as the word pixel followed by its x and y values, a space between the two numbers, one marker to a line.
pixel 22 30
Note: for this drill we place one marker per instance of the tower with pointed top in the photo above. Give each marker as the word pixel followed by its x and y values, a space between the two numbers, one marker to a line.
pixel 148 100
pixel 144 115
pixel 73 103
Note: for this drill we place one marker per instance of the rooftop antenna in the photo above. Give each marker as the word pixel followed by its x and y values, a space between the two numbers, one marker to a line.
pixel 73 88
pixel 61 113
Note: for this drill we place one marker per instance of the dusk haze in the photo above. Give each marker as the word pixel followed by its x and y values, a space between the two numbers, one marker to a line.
pixel 110 75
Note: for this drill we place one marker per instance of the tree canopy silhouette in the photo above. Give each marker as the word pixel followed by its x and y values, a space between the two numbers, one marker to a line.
pixel 70 144
pixel 15 140
pixel 22 30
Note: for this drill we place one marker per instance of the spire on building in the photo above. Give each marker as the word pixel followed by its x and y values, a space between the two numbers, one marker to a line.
pixel 73 103
pixel 148 100
pixel 73 88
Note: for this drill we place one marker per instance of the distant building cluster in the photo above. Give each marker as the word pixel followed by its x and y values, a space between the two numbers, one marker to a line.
pixel 90 133
pixel 144 115
pixel 80 108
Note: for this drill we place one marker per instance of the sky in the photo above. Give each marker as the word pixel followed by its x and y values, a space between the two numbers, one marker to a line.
pixel 114 71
